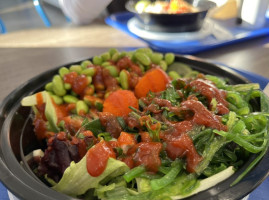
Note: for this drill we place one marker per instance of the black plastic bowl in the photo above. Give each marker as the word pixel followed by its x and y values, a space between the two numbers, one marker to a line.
pixel 17 139
pixel 185 22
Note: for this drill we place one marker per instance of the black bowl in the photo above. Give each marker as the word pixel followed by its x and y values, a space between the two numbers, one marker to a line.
pixel 17 139
pixel 185 22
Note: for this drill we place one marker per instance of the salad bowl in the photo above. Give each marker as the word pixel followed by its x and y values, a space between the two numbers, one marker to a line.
pixel 163 22
pixel 17 139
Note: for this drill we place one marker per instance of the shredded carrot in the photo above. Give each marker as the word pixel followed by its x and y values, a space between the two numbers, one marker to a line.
pixel 154 80
pixel 118 102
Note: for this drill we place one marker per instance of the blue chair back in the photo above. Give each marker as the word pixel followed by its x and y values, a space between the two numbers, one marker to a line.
pixel 2 27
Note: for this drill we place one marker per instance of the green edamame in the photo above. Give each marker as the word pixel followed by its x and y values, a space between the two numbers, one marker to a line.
pixel 76 68
pixel 146 50
pixel 70 99
pixel 97 60
pixel 89 71
pixel 142 58
pixel 112 51
pixel 85 64
pixel 106 56
pixel 124 79
pixel 169 58
pixel 58 85
pixel 113 71
pixel 67 86
pixel 81 107
pixel 115 57
pixel 123 54
pixel 63 71
pixel 58 100
pixel 156 57
pixel 173 75
pixel 89 78
pixel 163 65
pixel 49 86
pixel 104 64
pixel 141 67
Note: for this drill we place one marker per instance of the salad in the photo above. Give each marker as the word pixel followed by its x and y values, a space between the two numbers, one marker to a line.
pixel 164 7
pixel 139 125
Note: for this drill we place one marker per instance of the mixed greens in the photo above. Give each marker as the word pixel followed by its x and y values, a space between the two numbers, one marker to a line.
pixel 138 125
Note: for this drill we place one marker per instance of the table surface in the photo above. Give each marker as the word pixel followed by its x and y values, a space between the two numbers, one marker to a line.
pixel 26 54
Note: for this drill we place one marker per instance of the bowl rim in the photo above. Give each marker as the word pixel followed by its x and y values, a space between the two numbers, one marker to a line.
pixel 19 185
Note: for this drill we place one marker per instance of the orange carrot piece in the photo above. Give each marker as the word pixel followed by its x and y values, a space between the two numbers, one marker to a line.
pixel 126 139
pixel 154 80
pixel 118 102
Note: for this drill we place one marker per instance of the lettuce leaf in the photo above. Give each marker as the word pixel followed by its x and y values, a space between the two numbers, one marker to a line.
pixel 76 179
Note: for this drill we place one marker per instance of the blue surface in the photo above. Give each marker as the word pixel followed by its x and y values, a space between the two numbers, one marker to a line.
pixel 3 192
pixel 120 20
pixel 261 192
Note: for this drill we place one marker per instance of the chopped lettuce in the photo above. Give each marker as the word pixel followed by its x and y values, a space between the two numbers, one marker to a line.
pixel 76 179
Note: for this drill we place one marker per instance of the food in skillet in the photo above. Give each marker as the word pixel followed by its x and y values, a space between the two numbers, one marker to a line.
pixel 164 7
pixel 121 127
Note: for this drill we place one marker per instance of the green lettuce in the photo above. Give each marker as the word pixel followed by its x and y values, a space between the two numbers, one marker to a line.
pixel 76 179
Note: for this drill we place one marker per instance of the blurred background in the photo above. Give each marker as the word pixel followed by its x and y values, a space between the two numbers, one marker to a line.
pixel 22 14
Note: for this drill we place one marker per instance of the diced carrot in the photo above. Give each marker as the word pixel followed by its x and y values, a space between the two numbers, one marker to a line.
pixel 118 102
pixel 126 139
pixel 154 80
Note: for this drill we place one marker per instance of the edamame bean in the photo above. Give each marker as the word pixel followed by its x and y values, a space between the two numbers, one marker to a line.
pixel 67 86
pixel 169 58
pixel 89 71
pixel 97 60
pixel 107 94
pixel 76 68
pixel 70 99
pixel 142 58
pixel 89 90
pixel 124 79
pixel 163 65
pixel 115 57
pixel 85 64
pixel 81 107
pixel 130 54
pixel 106 56
pixel 58 100
pixel 141 67
pixel 156 57
pixel 123 54
pixel 173 75
pixel 104 64
pixel 48 86
pixel 58 85
pixel 144 50
pixel 113 71
pixel 63 71
pixel 89 78
pixel 112 51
